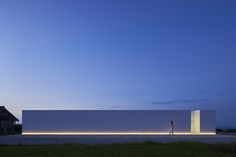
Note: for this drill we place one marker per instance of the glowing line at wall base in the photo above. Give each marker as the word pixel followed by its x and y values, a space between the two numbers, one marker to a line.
pixel 115 133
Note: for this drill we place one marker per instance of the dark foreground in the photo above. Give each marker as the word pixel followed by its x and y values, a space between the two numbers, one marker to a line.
pixel 178 149
pixel 111 139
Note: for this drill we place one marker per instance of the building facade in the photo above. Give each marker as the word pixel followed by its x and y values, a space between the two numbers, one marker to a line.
pixel 102 122
pixel 7 121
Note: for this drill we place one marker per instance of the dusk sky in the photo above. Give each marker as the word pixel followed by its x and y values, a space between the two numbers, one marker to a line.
pixel 119 54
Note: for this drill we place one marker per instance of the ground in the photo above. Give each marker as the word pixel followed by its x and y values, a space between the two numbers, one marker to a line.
pixel 149 149
pixel 110 139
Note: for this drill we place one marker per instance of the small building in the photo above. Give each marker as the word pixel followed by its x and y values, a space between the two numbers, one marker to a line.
pixel 7 121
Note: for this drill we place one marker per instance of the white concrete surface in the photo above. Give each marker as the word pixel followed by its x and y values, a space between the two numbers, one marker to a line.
pixel 114 121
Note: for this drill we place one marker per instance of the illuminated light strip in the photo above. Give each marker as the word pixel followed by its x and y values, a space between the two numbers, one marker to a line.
pixel 115 133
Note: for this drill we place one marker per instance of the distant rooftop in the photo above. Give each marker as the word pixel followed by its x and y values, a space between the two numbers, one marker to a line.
pixel 6 115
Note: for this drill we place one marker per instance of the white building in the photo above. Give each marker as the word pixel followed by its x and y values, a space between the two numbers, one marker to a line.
pixel 117 122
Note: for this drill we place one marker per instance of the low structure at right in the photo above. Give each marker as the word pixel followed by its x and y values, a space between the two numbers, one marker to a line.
pixel 203 122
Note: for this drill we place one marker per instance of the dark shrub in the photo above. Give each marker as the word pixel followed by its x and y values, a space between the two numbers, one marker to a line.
pixel 18 128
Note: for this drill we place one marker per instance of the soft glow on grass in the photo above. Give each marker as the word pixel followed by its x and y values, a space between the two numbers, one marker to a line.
pixel 114 133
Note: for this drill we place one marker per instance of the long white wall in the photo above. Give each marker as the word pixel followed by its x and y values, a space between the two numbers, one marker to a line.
pixel 207 120
pixel 35 121
pixel 105 121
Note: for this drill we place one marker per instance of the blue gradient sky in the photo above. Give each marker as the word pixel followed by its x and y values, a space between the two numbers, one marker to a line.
pixel 119 54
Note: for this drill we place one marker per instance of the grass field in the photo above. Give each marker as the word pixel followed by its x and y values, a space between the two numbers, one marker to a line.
pixel 148 149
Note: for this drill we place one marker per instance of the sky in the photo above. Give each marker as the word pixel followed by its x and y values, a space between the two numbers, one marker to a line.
pixel 119 54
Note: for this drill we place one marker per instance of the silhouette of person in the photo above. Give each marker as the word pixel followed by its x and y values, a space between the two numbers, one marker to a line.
pixel 172 128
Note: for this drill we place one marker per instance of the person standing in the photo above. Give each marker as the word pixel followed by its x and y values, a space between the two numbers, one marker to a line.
pixel 172 128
